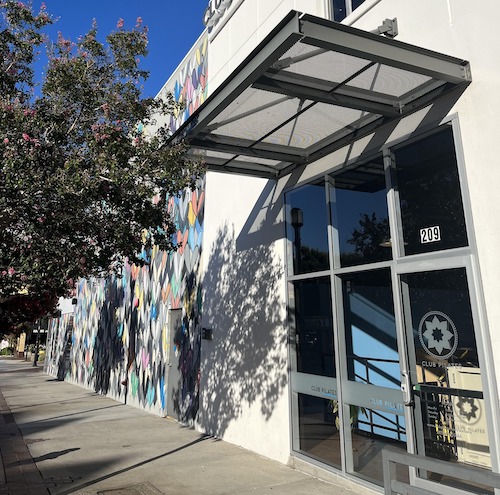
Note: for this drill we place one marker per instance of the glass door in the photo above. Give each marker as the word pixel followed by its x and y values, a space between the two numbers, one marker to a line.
pixel 444 387
pixel 446 384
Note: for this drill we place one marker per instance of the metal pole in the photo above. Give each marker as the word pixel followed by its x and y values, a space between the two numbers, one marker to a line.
pixel 37 344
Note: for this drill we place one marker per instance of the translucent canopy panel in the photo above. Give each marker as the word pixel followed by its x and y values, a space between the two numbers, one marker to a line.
pixel 311 87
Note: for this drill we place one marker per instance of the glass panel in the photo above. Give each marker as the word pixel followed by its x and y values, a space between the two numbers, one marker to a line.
pixel 359 210
pixel 449 394
pixel 370 329
pixel 356 3
pixel 314 332
pixel 375 411
pixel 339 10
pixel 430 197
pixel 319 429
pixel 371 431
pixel 306 228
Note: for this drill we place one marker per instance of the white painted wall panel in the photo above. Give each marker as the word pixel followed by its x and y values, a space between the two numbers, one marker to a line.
pixel 244 371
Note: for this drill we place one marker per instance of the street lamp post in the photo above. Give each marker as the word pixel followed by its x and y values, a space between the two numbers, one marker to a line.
pixel 297 223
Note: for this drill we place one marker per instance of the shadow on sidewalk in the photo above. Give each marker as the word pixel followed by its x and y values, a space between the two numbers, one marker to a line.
pixel 74 489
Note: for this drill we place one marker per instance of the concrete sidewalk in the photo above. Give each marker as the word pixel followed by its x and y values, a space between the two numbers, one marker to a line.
pixel 60 439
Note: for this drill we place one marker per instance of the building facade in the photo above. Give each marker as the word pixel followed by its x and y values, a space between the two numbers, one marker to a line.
pixel 335 290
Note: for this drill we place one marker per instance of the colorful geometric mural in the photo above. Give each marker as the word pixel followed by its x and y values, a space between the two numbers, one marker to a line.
pixel 137 337
pixel 189 85
pixel 59 336
pixel 124 342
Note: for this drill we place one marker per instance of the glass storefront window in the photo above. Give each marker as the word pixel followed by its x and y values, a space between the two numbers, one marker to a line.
pixel 371 431
pixel 359 210
pixel 432 213
pixel 392 323
pixel 370 329
pixel 314 327
pixel 306 229
pixel 319 429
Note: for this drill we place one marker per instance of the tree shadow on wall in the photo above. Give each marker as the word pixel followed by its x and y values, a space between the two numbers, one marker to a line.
pixel 108 347
pixel 246 362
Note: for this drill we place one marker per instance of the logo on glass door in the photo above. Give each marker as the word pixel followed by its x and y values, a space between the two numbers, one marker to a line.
pixel 467 409
pixel 438 334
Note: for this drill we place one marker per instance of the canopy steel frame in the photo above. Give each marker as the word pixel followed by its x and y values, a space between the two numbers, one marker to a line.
pixel 268 69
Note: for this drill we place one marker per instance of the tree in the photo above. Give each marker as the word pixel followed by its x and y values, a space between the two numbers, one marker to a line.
pixel 83 186
pixel 368 241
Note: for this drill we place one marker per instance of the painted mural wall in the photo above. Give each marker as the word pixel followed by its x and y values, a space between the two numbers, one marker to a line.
pixel 136 338
pixel 189 84
pixel 123 343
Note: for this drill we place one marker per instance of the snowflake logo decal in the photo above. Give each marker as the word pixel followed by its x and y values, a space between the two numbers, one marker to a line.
pixel 438 335
pixel 467 410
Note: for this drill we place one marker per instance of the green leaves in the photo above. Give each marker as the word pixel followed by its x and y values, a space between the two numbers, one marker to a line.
pixel 78 170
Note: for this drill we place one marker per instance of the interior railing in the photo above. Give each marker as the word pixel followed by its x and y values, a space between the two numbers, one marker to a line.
pixel 466 474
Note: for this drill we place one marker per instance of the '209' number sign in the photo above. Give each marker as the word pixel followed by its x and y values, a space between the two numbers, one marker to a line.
pixel 430 234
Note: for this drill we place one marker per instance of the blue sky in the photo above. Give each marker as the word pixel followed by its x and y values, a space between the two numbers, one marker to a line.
pixel 174 25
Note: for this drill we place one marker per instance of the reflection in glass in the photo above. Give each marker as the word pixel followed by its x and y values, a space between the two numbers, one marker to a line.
pixel 318 429
pixel 371 431
pixel 356 3
pixel 314 332
pixel 441 315
pixel 360 214
pixel 307 228
pixel 450 392
pixel 429 191
pixel 370 329
pixel 448 373
pixel 339 10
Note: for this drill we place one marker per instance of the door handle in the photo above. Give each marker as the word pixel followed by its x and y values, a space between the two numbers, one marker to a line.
pixel 406 389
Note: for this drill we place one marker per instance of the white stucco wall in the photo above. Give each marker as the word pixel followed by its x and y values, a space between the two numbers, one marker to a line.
pixel 244 369
pixel 249 24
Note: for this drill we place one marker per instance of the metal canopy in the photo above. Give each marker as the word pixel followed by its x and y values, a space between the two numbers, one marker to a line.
pixel 309 88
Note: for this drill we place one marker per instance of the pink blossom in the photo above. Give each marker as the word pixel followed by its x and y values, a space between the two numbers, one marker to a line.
pixel 5 140
pixel 26 137
pixel 4 273
pixel 11 271
pixel 120 23
pixel 138 21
